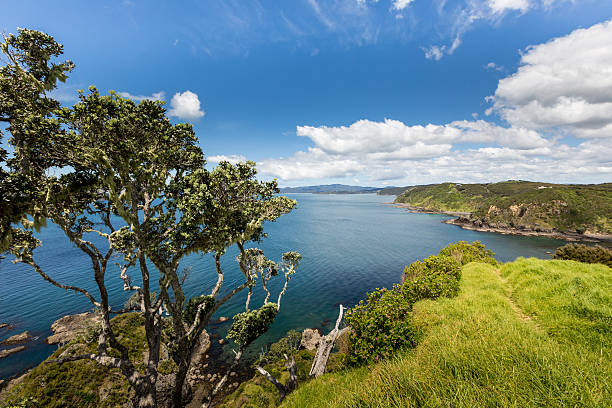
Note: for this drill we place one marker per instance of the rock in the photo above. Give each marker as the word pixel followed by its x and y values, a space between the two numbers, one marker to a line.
pixel 233 373
pixel 3 325
pixel 221 341
pixel 8 352
pixel 310 339
pixel 18 338
pixel 223 319
pixel 68 327
pixel 235 385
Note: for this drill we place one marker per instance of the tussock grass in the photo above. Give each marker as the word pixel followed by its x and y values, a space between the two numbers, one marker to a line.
pixel 479 351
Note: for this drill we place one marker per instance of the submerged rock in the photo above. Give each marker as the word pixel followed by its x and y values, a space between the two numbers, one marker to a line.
pixel 3 325
pixel 67 328
pixel 310 339
pixel 6 353
pixel 18 338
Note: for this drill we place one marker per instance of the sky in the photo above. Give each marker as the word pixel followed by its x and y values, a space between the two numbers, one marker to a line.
pixel 361 92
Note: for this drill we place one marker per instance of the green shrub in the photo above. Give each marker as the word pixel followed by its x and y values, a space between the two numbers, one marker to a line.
pixel 464 252
pixel 379 326
pixel 287 345
pixel 382 324
pixel 431 278
pixel 584 253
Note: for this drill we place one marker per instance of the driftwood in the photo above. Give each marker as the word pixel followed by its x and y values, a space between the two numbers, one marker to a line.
pixel 326 344
pixel 283 390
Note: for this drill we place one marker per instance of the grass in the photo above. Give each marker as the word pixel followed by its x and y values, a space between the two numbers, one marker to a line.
pixel 519 337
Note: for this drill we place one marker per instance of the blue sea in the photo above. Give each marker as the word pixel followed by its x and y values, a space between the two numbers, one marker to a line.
pixel 351 244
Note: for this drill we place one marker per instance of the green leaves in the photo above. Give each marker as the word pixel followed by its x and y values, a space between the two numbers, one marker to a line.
pixel 191 309
pixel 248 326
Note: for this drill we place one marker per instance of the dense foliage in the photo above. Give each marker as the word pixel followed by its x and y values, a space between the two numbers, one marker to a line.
pixel 431 278
pixel 521 204
pixel 380 326
pixel 247 326
pixel 465 252
pixel 584 253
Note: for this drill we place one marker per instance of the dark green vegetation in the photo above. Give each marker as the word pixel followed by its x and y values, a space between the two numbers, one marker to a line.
pixel 134 191
pixel 532 333
pixel 522 205
pixel 584 253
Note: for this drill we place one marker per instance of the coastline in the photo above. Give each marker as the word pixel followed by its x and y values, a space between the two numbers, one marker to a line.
pixel 462 220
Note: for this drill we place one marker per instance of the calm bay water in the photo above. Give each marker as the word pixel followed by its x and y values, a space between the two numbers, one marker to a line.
pixel 351 244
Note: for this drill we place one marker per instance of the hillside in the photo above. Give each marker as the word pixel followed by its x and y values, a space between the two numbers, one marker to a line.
pixel 513 337
pixel 520 206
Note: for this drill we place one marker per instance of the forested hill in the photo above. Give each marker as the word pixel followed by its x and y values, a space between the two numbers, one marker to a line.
pixel 521 205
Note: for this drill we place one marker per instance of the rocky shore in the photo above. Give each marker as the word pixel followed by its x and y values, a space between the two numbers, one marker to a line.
pixel 502 228
pixel 464 220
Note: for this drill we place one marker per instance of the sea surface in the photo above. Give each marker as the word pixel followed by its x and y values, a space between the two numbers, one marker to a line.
pixel 351 244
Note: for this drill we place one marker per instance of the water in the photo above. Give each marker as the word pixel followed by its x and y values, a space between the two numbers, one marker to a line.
pixel 351 244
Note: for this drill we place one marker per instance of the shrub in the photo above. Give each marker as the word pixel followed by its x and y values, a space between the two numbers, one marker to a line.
pixel 379 326
pixel 464 252
pixel 584 253
pixel 287 345
pixel 431 278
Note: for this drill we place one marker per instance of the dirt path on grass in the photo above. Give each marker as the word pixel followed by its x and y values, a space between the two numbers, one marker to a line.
pixel 519 312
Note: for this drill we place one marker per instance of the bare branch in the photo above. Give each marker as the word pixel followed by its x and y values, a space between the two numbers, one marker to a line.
pixel 326 344
pixel 46 277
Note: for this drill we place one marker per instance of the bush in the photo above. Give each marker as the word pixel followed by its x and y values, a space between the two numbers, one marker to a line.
pixel 431 278
pixel 464 252
pixel 248 326
pixel 379 326
pixel 287 345
pixel 584 253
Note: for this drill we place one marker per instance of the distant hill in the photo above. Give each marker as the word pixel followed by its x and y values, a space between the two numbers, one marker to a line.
pixel 520 206
pixel 393 190
pixel 331 189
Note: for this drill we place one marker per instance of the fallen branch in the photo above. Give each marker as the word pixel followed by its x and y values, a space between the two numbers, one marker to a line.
pixel 326 344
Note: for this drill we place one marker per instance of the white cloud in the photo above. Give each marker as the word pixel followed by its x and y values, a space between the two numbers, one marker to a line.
pixel 500 6
pixel 401 4
pixel 233 158
pixel 494 66
pixel 186 105
pixel 157 96
pixel 392 150
pixel 563 85
pixel 435 52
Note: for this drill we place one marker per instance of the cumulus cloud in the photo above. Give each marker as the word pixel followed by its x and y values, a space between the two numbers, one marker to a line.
pixel 390 149
pixel 185 105
pixel 233 158
pixel 157 96
pixel 564 84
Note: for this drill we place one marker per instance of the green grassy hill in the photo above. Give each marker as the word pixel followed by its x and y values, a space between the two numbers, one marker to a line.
pixel 522 205
pixel 533 333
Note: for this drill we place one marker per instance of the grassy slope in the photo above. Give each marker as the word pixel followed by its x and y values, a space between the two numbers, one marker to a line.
pixel 538 334
pixel 522 203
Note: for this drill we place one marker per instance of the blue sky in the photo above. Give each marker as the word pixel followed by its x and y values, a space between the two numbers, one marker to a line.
pixel 364 92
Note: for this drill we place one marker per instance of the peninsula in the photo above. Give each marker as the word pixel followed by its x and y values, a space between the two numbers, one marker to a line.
pixel 572 212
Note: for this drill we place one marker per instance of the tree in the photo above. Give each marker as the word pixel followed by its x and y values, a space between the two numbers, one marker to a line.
pixel 134 185
pixel 27 74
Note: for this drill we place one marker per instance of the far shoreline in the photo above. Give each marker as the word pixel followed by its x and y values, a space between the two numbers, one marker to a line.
pixel 463 221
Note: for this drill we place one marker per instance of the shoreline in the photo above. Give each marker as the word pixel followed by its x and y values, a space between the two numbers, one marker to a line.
pixel 464 222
